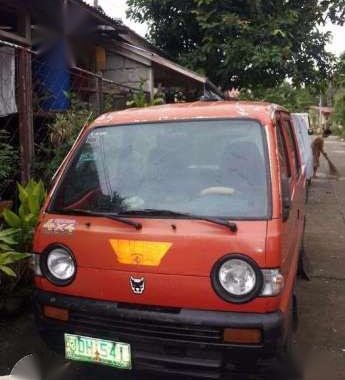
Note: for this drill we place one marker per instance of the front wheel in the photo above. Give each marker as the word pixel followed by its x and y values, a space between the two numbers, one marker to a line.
pixel 304 269
pixel 290 361
pixel 290 358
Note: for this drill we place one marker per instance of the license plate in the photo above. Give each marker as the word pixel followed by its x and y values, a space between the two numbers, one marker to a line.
pixel 85 349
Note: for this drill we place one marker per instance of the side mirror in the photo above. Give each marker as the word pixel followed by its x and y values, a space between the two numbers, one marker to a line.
pixel 286 198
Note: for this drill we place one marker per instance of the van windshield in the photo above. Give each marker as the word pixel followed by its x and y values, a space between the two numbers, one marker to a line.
pixel 215 168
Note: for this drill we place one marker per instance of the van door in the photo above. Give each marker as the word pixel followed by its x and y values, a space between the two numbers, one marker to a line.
pixel 293 227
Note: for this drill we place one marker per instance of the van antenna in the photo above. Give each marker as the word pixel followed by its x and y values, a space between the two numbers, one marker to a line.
pixel 211 92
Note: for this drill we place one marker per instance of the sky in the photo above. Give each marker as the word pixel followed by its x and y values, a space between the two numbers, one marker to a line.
pixel 117 8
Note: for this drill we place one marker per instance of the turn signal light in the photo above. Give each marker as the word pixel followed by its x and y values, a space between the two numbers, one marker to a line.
pixel 56 313
pixel 242 336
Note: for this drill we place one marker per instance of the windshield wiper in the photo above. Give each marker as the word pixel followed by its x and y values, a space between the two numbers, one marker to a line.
pixel 156 212
pixel 116 217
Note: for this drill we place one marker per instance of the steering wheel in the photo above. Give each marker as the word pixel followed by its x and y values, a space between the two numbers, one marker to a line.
pixel 218 190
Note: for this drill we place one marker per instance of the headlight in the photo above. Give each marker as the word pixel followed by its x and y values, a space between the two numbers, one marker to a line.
pixel 58 265
pixel 237 278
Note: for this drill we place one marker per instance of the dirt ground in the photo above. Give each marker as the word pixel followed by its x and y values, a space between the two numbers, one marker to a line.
pixel 321 334
pixel 322 301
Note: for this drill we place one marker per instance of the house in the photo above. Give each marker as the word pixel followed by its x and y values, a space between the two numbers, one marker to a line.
pixel 320 117
pixel 55 47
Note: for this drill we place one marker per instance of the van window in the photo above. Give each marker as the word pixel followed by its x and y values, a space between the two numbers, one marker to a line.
pixel 293 145
pixel 209 168
pixel 283 155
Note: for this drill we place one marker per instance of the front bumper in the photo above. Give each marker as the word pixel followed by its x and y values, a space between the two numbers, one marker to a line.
pixel 167 340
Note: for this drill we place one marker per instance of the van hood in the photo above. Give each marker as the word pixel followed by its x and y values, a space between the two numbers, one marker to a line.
pixel 167 246
pixel 173 257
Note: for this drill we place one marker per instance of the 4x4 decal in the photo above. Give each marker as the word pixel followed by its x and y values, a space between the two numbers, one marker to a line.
pixel 59 226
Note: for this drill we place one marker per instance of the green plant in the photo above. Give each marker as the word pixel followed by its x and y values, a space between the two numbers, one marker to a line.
pixel 24 222
pixel 16 239
pixel 140 98
pixel 8 255
pixel 8 161
pixel 62 132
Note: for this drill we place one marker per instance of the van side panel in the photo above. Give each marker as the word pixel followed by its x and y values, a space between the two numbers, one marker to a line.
pixel 284 238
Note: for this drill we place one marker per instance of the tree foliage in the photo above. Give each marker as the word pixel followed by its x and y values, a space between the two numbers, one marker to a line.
pixel 335 10
pixel 339 72
pixel 244 43
pixel 339 82
pixel 8 161
pixel 295 99
pixel 62 130
pixel 339 108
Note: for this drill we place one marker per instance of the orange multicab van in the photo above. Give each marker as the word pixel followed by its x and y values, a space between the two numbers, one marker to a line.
pixel 170 240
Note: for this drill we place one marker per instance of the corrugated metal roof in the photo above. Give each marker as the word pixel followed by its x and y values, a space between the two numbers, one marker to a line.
pixel 100 13
pixel 149 54
pixel 116 22
pixel 170 65
pixel 162 61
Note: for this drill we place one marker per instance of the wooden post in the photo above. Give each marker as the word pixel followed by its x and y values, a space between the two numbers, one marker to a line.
pixel 24 25
pixel 99 94
pixel 65 17
pixel 151 84
pixel 26 137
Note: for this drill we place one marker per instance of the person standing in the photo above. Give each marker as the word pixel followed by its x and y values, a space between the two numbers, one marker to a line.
pixel 317 147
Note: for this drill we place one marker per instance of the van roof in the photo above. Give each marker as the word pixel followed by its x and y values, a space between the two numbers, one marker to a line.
pixel 197 110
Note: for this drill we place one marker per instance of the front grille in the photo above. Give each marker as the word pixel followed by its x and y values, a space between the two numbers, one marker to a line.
pixel 159 309
pixel 145 328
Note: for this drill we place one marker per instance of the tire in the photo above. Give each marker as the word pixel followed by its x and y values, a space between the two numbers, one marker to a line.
pixel 295 317
pixel 290 360
pixel 291 365
pixel 307 188
pixel 304 269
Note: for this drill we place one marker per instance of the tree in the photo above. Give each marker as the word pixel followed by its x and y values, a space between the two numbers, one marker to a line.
pixel 243 43
pixel 339 81
pixel 339 108
pixel 339 72
pixel 335 10
pixel 295 99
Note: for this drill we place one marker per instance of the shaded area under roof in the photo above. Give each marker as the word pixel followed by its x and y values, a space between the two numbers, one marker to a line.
pixel 163 68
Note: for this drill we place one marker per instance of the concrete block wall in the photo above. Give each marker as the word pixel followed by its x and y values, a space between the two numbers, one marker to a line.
pixel 129 72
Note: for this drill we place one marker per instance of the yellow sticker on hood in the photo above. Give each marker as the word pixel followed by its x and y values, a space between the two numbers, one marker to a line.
pixel 136 252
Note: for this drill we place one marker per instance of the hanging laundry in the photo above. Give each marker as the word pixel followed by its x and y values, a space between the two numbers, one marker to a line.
pixel 7 81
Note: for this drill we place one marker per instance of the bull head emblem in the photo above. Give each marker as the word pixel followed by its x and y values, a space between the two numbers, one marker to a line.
pixel 137 285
